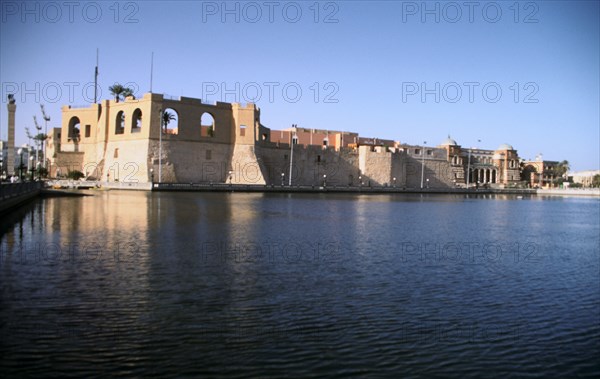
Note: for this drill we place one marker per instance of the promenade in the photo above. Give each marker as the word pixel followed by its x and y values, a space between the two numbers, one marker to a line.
pixel 14 194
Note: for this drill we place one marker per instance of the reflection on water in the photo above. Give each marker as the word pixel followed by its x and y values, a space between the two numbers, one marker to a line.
pixel 238 285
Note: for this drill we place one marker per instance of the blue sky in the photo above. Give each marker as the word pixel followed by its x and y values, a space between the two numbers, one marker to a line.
pixel 524 73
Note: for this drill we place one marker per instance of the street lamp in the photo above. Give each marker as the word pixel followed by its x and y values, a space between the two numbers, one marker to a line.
pixel 469 167
pixel 423 163
pixel 31 168
pixel 152 175
pixel 360 181
pixel 324 180
pixel 161 121
pixel 294 140
pixel 427 182
pixel 394 182
pixel 20 153
pixel 282 178
pixel 230 176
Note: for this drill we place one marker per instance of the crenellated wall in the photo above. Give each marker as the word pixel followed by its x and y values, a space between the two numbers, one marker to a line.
pixel 129 141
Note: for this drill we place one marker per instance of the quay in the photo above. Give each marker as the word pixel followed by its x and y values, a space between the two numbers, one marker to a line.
pixel 14 194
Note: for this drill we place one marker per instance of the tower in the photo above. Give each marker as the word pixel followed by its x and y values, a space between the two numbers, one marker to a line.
pixel 10 159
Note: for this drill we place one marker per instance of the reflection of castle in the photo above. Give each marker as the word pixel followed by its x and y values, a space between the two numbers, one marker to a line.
pixel 185 140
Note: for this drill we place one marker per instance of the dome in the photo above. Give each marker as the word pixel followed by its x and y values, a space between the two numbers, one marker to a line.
pixel 505 146
pixel 448 142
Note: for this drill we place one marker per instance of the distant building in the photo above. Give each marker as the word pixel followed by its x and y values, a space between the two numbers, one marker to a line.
pixel 540 173
pixel 585 178
pixel 476 166
pixel 27 155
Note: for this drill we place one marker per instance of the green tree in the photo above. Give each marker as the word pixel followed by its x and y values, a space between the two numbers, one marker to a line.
pixel 596 180
pixel 167 118
pixel 75 175
pixel 127 92
pixel 117 91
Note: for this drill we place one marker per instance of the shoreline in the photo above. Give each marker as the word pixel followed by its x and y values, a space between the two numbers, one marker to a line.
pixel 255 188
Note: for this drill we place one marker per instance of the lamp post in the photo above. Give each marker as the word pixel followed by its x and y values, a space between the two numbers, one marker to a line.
pixel 360 181
pixel 160 112
pixel 423 163
pixel 427 182
pixel 230 177
pixel 282 178
pixel 31 169
pixel 152 176
pixel 324 180
pixel 469 167
pixel 38 166
pixel 394 182
pixel 20 153
pixel 294 139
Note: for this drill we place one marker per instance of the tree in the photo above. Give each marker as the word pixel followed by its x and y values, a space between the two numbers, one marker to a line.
pixel 596 180
pixel 117 91
pixel 75 175
pixel 562 168
pixel 127 92
pixel 167 118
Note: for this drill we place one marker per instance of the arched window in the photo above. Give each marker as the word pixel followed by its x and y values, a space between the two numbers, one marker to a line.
pixel 74 129
pixel 170 121
pixel 207 125
pixel 120 123
pixel 136 121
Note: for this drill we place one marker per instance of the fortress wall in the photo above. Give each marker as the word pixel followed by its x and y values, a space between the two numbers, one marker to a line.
pixel 190 162
pixel 309 165
pixel 438 171
pixel 125 161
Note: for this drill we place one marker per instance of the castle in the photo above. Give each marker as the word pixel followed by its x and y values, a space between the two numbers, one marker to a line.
pixel 184 140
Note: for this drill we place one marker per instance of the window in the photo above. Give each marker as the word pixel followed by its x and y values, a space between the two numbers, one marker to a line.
pixel 136 121
pixel 418 151
pixel 170 122
pixel 265 137
pixel 88 131
pixel 207 125
pixel 120 123
pixel 116 154
pixel 242 130
pixel 429 152
pixel 318 158
pixel 74 124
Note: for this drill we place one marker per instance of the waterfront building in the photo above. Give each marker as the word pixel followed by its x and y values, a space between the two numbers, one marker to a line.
pixel 540 173
pixel 476 166
pixel 185 140
pixel 585 178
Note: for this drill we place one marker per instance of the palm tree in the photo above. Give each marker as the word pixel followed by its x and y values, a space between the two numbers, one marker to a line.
pixel 167 118
pixel 563 167
pixel 127 92
pixel 116 90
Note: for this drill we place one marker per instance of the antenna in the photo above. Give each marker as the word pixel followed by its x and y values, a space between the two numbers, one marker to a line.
pixel 96 79
pixel 151 70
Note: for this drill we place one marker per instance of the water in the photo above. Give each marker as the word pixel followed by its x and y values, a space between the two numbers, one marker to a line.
pixel 303 285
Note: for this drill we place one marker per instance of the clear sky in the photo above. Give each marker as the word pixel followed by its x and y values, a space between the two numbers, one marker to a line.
pixel 524 73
